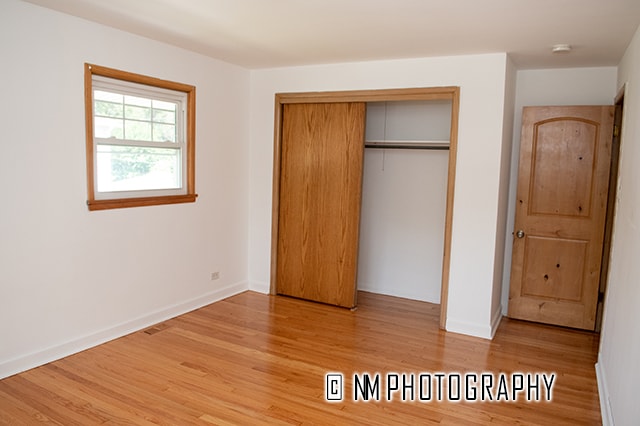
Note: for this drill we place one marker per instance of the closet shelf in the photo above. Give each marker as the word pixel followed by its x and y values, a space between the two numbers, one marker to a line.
pixel 401 144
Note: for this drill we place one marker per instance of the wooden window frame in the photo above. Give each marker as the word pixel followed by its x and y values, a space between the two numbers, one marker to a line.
pixel 190 126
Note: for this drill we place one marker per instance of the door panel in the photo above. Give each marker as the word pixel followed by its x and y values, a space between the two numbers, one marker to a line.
pixel 320 192
pixel 563 184
pixel 563 148
pixel 559 262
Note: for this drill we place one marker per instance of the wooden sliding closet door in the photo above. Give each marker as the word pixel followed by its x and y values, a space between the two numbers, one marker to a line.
pixel 322 150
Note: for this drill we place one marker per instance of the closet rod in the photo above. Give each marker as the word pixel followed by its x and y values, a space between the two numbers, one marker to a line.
pixel 406 146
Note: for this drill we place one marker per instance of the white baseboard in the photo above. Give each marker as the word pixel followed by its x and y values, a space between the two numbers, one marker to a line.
pixel 495 321
pixel 603 393
pixel 470 329
pixel 476 329
pixel 35 359
pixel 260 287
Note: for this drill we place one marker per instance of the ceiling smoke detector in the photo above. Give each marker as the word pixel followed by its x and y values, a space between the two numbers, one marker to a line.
pixel 561 48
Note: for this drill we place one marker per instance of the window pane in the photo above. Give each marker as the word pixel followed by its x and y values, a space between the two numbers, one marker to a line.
pixel 163 116
pixel 137 130
pixel 108 128
pixel 128 168
pixel 164 132
pixel 107 109
pixel 137 113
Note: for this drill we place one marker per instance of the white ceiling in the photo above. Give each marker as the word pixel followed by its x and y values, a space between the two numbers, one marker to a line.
pixel 277 33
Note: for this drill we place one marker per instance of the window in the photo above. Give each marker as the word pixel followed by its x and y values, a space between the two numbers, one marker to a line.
pixel 140 140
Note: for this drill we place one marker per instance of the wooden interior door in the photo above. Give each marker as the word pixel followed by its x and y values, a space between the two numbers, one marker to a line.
pixel 322 153
pixel 565 158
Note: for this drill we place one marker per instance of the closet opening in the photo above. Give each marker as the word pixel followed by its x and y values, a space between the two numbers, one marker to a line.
pixel 404 197
pixel 419 126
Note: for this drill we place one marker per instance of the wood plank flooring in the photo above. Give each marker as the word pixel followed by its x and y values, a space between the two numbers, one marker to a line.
pixel 254 359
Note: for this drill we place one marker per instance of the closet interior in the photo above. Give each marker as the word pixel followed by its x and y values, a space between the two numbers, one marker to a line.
pixel 404 196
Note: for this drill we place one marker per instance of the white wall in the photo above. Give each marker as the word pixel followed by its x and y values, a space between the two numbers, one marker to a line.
pixel 402 223
pixel 576 86
pixel 618 367
pixel 70 278
pixel 482 82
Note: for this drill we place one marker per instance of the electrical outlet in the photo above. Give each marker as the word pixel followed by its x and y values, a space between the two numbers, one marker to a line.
pixel 215 275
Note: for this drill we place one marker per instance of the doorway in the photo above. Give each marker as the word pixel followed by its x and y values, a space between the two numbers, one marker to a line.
pixel 443 93
pixel 611 205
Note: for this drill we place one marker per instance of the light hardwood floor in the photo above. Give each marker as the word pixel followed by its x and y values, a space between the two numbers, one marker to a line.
pixel 254 359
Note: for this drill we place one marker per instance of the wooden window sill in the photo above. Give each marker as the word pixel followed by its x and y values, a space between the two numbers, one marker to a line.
pixel 140 202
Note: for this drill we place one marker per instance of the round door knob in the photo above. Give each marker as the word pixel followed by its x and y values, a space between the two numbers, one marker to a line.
pixel 520 233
